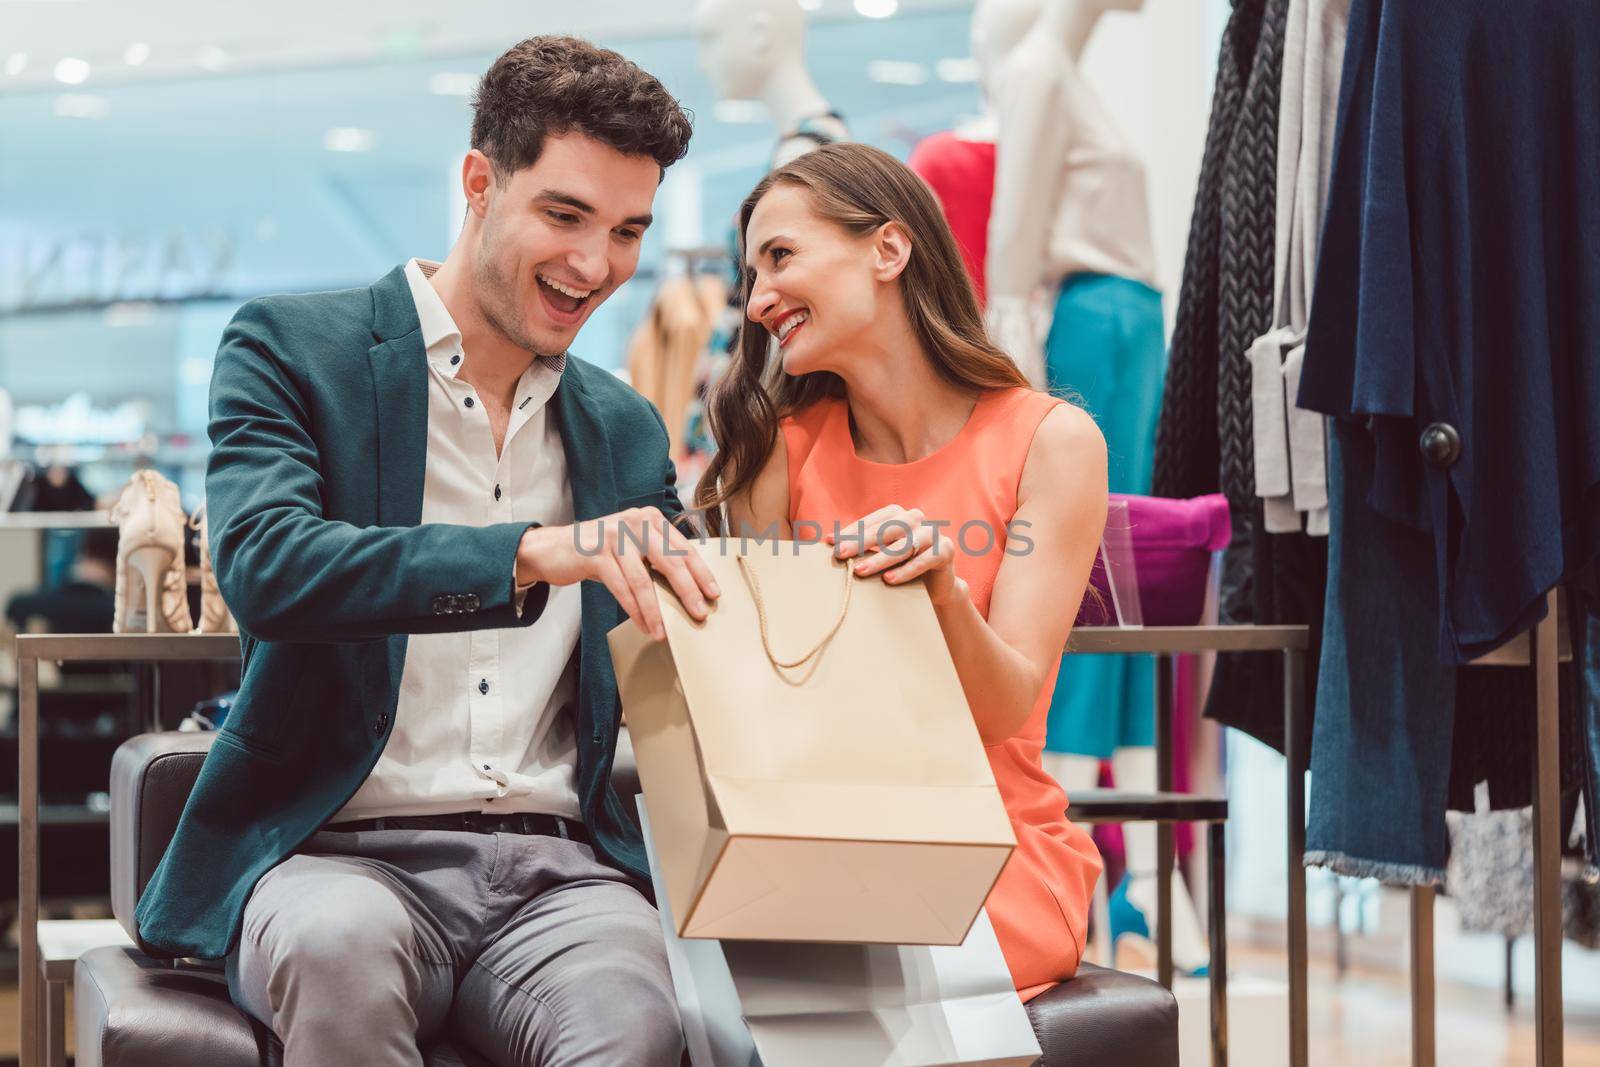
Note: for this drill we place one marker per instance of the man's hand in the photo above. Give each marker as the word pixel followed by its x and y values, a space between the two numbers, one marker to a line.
pixel 621 550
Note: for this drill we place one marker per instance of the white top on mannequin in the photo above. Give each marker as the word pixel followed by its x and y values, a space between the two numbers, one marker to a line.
pixel 1061 158
pixel 1069 192
pixel 755 50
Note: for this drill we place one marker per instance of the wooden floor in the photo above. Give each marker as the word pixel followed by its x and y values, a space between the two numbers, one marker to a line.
pixel 1362 1020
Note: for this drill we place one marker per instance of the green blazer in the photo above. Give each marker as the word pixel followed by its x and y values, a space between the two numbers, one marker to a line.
pixel 319 428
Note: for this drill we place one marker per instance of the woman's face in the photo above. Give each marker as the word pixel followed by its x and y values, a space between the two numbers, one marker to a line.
pixel 816 287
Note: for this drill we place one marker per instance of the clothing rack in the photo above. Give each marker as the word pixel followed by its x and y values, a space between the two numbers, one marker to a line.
pixel 1544 647
pixel 696 259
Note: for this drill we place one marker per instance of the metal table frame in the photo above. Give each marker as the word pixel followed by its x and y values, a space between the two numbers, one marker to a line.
pixel 1543 647
pixel 1165 642
pixel 62 648
pixel 1165 810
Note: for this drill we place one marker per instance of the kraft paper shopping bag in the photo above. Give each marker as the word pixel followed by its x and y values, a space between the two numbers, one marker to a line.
pixel 811 762
pixel 782 1003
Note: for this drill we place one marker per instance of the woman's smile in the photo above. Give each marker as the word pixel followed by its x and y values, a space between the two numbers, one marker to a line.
pixel 787 325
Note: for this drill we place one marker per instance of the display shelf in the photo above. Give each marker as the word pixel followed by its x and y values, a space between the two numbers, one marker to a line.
pixel 54 520
pixel 30 813
pixel 57 815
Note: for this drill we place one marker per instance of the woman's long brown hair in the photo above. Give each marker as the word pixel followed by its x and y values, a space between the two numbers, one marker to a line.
pixel 859 188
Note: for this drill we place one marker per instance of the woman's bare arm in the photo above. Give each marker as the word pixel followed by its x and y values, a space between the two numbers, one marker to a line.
pixel 1004 662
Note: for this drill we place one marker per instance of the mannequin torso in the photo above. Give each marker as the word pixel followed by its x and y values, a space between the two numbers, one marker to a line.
pixel 1062 159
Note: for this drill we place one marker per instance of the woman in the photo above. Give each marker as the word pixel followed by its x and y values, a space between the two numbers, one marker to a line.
pixel 891 407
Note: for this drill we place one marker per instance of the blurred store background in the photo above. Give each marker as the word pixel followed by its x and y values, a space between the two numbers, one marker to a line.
pixel 162 161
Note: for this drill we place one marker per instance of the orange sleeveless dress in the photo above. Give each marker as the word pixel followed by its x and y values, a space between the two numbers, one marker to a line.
pixel 1040 905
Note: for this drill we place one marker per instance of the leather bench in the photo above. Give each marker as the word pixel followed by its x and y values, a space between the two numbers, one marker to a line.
pixel 135 1010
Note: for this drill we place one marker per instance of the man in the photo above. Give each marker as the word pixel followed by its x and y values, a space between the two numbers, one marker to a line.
pixel 397 838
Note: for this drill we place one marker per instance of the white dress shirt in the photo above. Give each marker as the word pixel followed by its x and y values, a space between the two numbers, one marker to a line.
pixel 485 720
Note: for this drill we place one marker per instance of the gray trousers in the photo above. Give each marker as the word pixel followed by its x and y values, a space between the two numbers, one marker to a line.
pixel 525 950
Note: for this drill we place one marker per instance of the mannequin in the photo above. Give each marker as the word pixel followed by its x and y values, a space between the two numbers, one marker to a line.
pixel 1060 159
pixel 755 50
pixel 959 164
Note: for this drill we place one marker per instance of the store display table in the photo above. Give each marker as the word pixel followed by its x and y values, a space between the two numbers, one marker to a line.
pixel 1166 807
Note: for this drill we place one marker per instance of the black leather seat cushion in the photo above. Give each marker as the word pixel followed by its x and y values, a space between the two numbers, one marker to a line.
pixel 1108 1017
pixel 132 1011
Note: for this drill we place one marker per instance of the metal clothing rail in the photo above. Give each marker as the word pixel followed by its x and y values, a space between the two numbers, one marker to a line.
pixel 1165 642
pixel 1543 647
pixel 63 648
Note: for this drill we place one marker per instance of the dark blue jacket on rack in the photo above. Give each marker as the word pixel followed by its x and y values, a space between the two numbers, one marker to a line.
pixel 1456 312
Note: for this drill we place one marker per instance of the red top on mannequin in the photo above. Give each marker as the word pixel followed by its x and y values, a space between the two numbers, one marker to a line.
pixel 961 173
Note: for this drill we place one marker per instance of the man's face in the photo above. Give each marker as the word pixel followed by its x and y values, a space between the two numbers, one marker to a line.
pixel 559 237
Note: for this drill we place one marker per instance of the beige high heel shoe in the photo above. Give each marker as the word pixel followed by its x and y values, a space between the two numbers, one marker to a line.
pixel 215 618
pixel 152 595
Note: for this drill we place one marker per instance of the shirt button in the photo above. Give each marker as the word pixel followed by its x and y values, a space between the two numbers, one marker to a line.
pixel 454 360
pixel 497 492
pixel 470 401
pixel 485 766
pixel 483 685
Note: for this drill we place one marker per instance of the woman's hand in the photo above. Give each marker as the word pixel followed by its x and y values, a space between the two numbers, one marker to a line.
pixel 902 545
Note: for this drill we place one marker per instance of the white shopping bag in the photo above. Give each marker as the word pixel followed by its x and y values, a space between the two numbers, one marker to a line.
pixel 788 1004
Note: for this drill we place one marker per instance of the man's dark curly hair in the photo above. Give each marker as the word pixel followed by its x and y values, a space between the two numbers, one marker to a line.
pixel 554 85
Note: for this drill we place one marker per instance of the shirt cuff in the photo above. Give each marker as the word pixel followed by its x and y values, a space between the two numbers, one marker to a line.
pixel 519 592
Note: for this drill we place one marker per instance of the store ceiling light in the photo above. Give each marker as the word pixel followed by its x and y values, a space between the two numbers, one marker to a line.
pixel 71 71
pixel 349 139
pixel 810 5
pixel 740 111
pixel 896 72
pixel 452 83
pixel 136 54
pixel 16 63
pixel 957 70
pixel 213 58
pixel 877 9
pixel 82 106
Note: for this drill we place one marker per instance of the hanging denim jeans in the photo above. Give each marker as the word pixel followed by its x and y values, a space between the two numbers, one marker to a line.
pixel 1380 751
pixel 1384 744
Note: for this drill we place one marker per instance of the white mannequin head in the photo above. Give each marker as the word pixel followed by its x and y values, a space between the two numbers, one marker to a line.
pixel 745 44
pixel 998 26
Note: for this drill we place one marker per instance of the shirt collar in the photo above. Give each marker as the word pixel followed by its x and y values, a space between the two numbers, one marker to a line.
pixel 440 335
